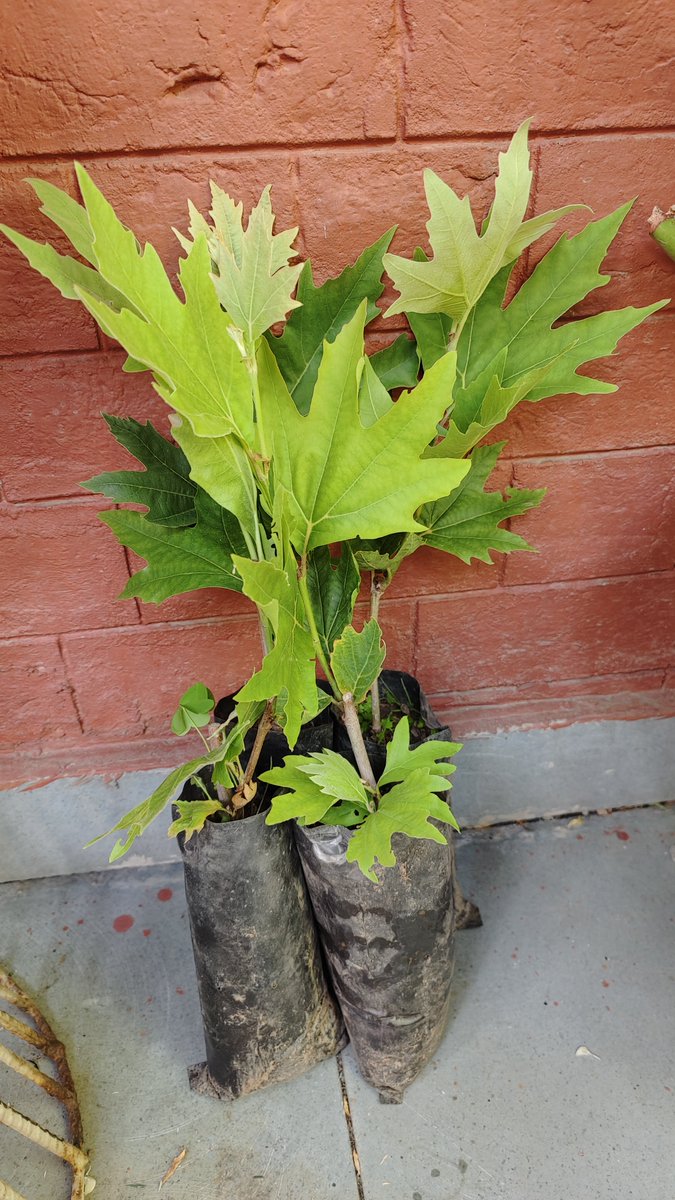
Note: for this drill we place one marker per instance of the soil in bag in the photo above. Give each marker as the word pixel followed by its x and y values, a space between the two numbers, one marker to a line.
pixel 267 1011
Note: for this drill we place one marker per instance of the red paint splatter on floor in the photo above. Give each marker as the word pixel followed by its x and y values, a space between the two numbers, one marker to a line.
pixel 81 921
pixel 180 991
pixel 66 928
pixel 147 932
pixel 622 835
pixel 580 837
pixel 606 983
pixel 123 924
pixel 164 894
pixel 149 999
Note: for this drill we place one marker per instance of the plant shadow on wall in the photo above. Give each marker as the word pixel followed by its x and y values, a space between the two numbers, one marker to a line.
pixel 298 465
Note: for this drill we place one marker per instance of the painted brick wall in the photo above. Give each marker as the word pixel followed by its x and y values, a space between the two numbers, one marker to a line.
pixel 340 107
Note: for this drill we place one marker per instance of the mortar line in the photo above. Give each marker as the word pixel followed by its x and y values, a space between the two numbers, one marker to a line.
pixel 565 816
pixel 346 1108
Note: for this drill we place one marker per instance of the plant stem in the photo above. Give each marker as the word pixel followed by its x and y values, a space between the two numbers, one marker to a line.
pixel 314 632
pixel 353 727
pixel 222 793
pixel 239 800
pixel 377 586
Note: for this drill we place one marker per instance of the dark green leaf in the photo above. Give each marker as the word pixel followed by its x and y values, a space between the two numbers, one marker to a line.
pixel 333 587
pixel 398 365
pixel 164 486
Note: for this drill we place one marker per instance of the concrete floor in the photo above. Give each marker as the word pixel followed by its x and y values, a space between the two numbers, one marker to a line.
pixel 577 950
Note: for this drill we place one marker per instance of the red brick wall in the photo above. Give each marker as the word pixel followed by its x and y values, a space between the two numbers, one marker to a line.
pixel 340 107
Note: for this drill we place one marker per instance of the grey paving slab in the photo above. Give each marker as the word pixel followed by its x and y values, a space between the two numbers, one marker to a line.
pixel 125 1004
pixel 501 777
pixel 577 950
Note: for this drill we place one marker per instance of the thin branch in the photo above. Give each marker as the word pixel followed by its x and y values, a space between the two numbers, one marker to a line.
pixel 353 727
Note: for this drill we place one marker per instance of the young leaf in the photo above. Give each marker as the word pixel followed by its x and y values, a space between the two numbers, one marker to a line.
pixel 333 585
pixel 136 821
pixel 342 480
pixel 186 344
pixel 288 671
pixel 662 229
pixel 430 755
pixel 335 776
pixel 323 313
pixel 467 523
pixel 299 798
pixel 357 660
pixel 192 816
pixel 164 486
pixel 254 281
pixel 67 274
pixel 408 808
pixel 431 330
pixel 398 365
pixel 465 261
pixel 520 338
pixel 194 710
pixel 222 468
pixel 180 560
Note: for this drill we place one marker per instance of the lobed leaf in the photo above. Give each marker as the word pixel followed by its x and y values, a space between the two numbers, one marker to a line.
pixel 356 660
pixel 408 808
pixel 164 486
pixel 333 585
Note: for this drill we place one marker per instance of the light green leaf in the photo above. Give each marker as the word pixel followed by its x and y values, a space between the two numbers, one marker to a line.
pixel 222 468
pixel 323 313
pixel 335 776
pixel 483 406
pixel 333 585
pixel 374 399
pixel 536 227
pixel 467 522
pixel 430 755
pixel 164 486
pixel 431 330
pixel 464 262
pixel 288 671
pixel 192 817
pixel 525 335
pixel 398 365
pixel 357 659
pixel 179 560
pixel 408 808
pixel 254 281
pixel 137 820
pixel 342 480
pixel 186 344
pixel 194 710
pixel 300 797
pixel 67 274
pixel 68 215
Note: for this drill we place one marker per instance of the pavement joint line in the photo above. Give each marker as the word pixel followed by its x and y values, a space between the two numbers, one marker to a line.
pixel 346 1108
pixel 567 816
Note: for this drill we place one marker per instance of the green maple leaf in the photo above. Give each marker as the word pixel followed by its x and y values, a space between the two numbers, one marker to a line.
pixel 408 808
pixel 137 820
pixel 342 480
pixel 334 776
pixel 221 466
pixel 187 345
pixel 68 215
pixel 514 341
pixel 179 560
pixel 465 261
pixel 299 798
pixel 374 399
pixel 430 756
pixel 323 313
pixel 467 522
pixel 192 816
pixel 288 670
pixel 194 711
pixel 254 281
pixel 164 486
pixel 356 660
pixel 397 366
pixel 333 585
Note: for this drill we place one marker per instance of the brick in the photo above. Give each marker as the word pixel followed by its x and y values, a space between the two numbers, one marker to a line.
pixel 605 172
pixel 477 68
pixel 430 572
pixel 128 681
pixel 195 606
pixel 603 516
pixel 398 623
pixel 65 570
pixel 54 436
pixel 641 413
pixel 36 696
pixel 231 75
pixel 536 633
pixel 34 317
